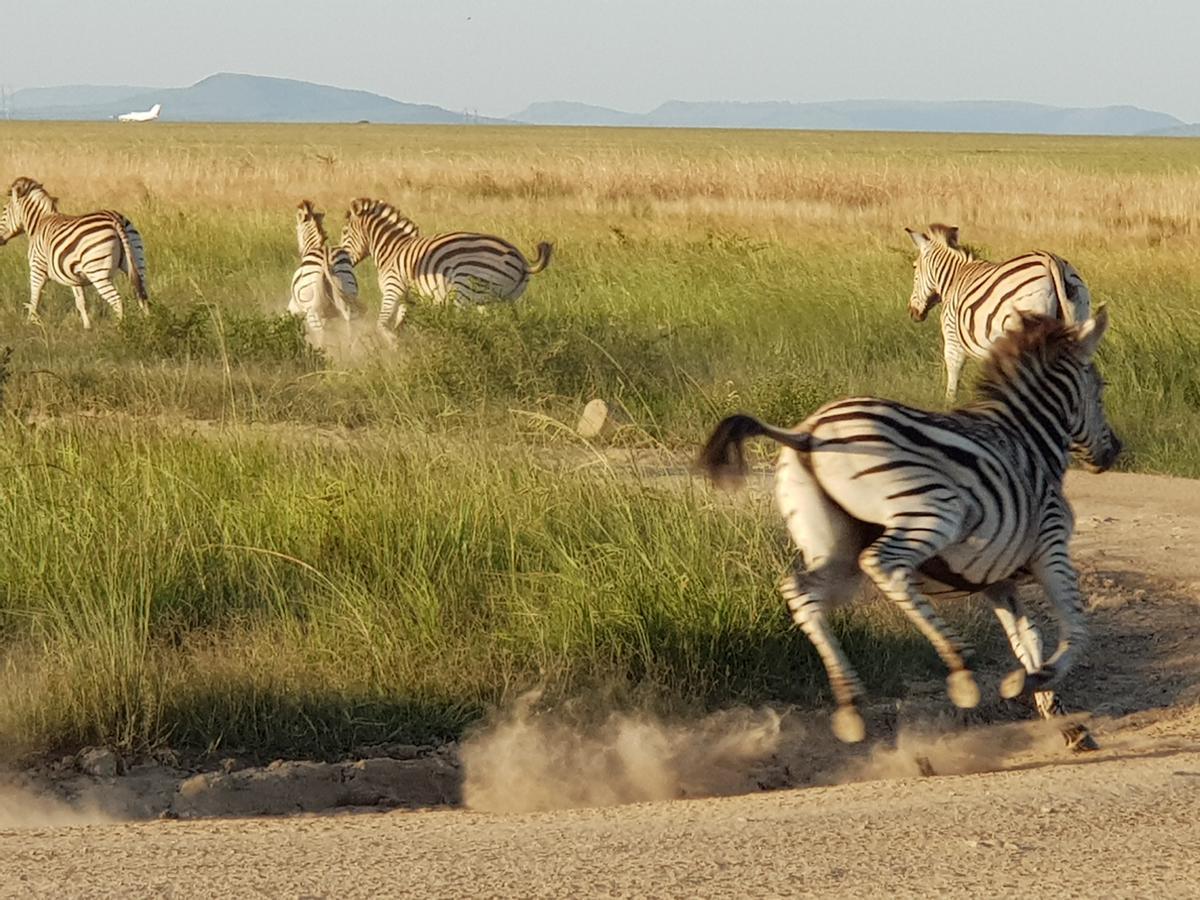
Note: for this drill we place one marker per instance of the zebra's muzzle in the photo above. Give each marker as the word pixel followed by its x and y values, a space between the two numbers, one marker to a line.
pixel 1105 461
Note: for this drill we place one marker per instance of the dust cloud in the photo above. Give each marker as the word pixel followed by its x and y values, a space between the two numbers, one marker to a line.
pixel 23 807
pixel 525 760
pixel 988 748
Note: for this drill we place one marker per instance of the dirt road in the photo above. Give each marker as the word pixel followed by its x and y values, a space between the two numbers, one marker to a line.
pixel 1123 822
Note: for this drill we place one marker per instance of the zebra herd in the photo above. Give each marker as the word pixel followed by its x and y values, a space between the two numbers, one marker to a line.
pixel 925 504
pixel 460 267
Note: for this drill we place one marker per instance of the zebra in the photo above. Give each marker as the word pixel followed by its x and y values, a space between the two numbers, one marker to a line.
pixel 468 269
pixel 74 250
pixel 324 286
pixel 981 300
pixel 947 504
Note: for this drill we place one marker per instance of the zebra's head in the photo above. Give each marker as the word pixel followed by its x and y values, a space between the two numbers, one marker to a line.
pixel 26 199
pixel 310 226
pixel 1092 437
pixel 1046 370
pixel 355 240
pixel 371 221
pixel 927 288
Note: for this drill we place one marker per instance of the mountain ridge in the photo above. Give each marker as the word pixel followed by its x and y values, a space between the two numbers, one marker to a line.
pixel 959 116
pixel 235 97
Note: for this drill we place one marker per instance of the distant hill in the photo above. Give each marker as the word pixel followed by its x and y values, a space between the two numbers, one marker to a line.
pixel 228 97
pixel 562 112
pixel 34 99
pixel 867 115
pixel 1192 130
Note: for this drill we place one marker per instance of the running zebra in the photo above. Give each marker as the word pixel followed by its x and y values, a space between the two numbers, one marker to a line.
pixel 981 300
pixel 943 504
pixel 73 250
pixel 468 269
pixel 324 286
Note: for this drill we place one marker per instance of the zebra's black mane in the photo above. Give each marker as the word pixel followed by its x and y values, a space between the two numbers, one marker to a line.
pixel 948 235
pixel 306 210
pixel 24 186
pixel 1041 338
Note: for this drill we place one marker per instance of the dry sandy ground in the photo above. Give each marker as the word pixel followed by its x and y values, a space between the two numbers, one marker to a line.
pixel 1023 816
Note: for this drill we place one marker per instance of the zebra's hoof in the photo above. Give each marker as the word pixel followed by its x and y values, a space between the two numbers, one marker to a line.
pixel 1080 740
pixel 963 691
pixel 1013 684
pixel 925 767
pixel 848 725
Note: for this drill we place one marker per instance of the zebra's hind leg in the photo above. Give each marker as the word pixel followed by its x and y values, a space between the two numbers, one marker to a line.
pixel 891 562
pixel 81 305
pixel 829 541
pixel 316 328
pixel 110 294
pixel 803 592
pixel 1026 645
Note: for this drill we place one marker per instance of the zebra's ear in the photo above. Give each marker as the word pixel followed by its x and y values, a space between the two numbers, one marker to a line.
pixel 1090 332
pixel 920 239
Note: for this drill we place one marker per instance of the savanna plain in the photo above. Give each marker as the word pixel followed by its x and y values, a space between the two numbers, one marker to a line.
pixel 220 539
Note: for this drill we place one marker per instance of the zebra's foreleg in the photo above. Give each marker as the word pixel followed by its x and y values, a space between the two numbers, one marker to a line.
pixel 1058 577
pixel 954 364
pixel 110 294
pixel 392 308
pixel 801 591
pixel 1026 645
pixel 81 305
pixel 37 280
pixel 891 562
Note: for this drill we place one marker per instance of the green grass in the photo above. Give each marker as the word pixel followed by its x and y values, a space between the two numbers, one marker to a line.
pixel 217 537
pixel 252 591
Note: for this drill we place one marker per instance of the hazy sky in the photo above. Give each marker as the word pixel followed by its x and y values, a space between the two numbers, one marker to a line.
pixel 496 57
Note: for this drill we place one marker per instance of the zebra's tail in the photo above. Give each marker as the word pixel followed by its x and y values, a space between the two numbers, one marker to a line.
pixel 544 252
pixel 723 459
pixel 135 271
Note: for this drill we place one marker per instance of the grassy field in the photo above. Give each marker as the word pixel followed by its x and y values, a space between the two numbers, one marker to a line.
pixel 217 538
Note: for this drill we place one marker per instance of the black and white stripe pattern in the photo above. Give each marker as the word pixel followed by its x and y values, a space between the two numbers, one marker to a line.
pixel 468 269
pixel 74 250
pixel 981 300
pixel 323 286
pixel 943 503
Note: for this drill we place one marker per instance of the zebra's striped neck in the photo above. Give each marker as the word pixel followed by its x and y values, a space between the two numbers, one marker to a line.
pixel 33 210
pixel 1034 404
pixel 388 233
pixel 945 263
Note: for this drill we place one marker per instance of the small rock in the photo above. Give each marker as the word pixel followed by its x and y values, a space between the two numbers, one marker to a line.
pixel 194 786
pixel 98 761
pixel 599 420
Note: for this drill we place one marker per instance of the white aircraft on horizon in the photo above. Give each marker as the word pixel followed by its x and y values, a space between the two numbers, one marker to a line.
pixel 148 116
